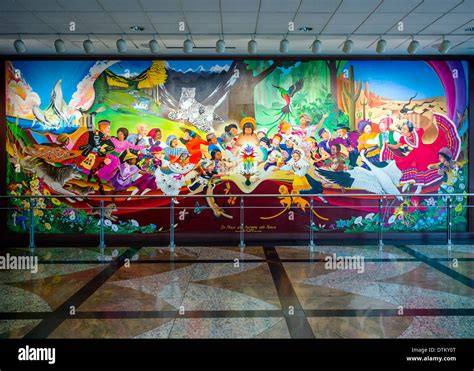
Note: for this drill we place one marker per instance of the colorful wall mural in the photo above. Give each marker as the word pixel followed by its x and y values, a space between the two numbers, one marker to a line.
pixel 286 127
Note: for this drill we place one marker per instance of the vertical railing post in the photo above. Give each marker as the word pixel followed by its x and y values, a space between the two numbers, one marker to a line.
pixel 242 223
pixel 311 225
pixel 32 224
pixel 172 245
pixel 101 231
pixel 380 222
pixel 448 224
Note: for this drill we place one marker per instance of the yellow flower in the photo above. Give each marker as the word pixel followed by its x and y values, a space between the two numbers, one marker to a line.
pixel 56 201
pixel 38 212
pixel 47 226
pixel 46 192
pixel 458 208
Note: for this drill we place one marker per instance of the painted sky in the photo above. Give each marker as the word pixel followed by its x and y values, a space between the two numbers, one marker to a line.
pixel 398 80
pixel 43 75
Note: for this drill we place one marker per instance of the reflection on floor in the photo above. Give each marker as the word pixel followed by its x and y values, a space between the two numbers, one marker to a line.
pixel 403 291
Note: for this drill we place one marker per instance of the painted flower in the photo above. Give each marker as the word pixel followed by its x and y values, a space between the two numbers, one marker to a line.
pixel 55 201
pixel 46 192
pixel 392 219
pixel 47 226
pixel 114 227
pixel 72 215
pixel 462 186
pixel 450 189
pixel 107 223
pixel 431 201
pixel 358 220
pixel 369 216
pixel 134 223
pixel 458 208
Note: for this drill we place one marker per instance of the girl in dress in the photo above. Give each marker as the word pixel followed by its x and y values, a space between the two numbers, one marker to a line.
pixel 121 145
pixel 125 177
pixel 303 183
pixel 413 156
pixel 170 176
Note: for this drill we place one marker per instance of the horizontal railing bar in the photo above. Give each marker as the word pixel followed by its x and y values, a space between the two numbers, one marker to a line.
pixel 250 195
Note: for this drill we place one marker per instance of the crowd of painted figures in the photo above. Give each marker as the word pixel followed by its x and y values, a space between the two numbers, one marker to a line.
pixel 149 159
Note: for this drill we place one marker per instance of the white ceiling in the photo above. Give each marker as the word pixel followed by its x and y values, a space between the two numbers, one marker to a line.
pixel 40 21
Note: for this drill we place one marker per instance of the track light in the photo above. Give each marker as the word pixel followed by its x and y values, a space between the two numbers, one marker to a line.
pixel 121 45
pixel 20 46
pixel 381 45
pixel 188 46
pixel 88 46
pixel 59 46
pixel 316 46
pixel 252 47
pixel 444 47
pixel 154 46
pixel 413 46
pixel 284 46
pixel 348 45
pixel 220 46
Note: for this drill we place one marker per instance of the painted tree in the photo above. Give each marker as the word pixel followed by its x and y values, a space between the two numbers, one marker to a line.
pixel 334 67
pixel 351 92
pixel 241 96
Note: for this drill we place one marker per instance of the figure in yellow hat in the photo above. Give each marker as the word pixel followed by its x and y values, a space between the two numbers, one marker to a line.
pixel 248 136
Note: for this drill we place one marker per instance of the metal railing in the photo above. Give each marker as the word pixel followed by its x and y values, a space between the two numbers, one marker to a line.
pixel 447 197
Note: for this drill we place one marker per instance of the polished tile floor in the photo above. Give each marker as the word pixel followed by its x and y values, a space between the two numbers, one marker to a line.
pixel 403 291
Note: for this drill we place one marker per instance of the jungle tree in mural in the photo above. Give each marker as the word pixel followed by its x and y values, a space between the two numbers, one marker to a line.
pixel 290 128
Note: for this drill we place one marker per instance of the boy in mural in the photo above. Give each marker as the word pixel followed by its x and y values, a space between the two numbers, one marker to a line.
pixel 99 144
pixel 193 143
pixel 248 136
pixel 324 146
pixel 366 143
pixel 338 160
pixel 276 140
pixel 154 138
pixel 207 172
pixel 172 150
pixel 140 138
pixel 386 136
pixel 348 139
pixel 216 158
pixel 446 165
pixel 306 129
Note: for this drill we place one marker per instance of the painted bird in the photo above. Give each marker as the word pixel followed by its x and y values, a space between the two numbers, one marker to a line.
pixel 287 94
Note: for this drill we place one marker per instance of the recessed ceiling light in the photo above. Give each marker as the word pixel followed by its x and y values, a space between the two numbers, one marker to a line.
pixel 305 29
pixel 137 28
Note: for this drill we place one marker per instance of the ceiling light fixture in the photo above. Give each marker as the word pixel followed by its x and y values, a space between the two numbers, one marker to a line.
pixel 284 45
pixel 19 45
pixel 121 45
pixel 413 46
pixel 88 45
pixel 316 46
pixel 381 46
pixel 154 46
pixel 59 46
pixel 348 45
pixel 188 46
pixel 444 47
pixel 252 46
pixel 220 46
